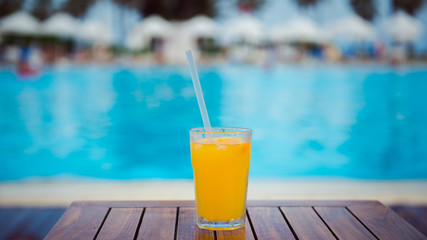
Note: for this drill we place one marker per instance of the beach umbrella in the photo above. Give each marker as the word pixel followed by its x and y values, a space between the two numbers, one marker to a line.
pixel 150 27
pixel 300 29
pixel 276 33
pixel 245 28
pixel 134 40
pixel 154 26
pixel 95 32
pixel 20 23
pixel 403 27
pixel 352 28
pixel 61 25
pixel 201 26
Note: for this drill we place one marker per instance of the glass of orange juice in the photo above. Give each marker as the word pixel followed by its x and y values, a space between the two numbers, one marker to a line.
pixel 220 162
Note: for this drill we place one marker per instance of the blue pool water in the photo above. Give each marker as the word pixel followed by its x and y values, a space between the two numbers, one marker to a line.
pixel 132 123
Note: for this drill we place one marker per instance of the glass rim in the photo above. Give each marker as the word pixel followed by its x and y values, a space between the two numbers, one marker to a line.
pixel 238 130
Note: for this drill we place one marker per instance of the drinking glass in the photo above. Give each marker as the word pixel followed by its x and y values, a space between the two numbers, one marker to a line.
pixel 220 161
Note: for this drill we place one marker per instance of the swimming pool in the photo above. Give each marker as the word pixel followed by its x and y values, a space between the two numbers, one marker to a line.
pixel 132 123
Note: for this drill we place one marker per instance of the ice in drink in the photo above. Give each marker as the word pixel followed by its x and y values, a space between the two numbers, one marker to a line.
pixel 221 167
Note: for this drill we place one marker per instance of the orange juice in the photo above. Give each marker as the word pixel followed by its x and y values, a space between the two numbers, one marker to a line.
pixel 221 167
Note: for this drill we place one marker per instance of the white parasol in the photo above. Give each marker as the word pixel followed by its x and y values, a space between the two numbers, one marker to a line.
pixel 403 27
pixel 61 24
pixel 21 23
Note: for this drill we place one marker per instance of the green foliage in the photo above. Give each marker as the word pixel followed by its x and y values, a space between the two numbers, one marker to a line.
pixel 209 46
pixel 409 6
pixel 42 9
pixel 366 9
pixel 307 3
pixel 171 9
pixel 12 39
pixel 250 5
pixel 77 8
pixel 9 6
pixel 117 50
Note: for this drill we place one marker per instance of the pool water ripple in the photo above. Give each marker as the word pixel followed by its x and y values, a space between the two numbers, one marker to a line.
pixel 128 123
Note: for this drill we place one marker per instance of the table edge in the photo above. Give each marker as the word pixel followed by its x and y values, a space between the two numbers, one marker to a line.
pixel 250 203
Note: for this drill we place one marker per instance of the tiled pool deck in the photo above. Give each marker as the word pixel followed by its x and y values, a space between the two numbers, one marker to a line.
pixel 63 192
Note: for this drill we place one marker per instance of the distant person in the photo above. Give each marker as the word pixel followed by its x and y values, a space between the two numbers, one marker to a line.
pixel 379 50
pixel 397 55
pixel 25 70
pixel 12 54
pixel 270 57
pixel 26 66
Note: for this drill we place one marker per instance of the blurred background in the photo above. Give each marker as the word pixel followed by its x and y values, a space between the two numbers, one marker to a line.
pixel 96 100
pixel 35 33
pixel 100 89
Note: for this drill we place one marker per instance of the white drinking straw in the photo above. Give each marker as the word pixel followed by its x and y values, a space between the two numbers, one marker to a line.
pixel 199 93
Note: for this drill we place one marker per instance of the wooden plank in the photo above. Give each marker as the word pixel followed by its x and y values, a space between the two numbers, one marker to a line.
pixel 187 228
pixel 258 203
pixel 343 223
pixel 414 215
pixel 121 223
pixel 4 212
pixel 141 204
pixel 249 231
pixel 5 215
pixel 12 220
pixel 269 223
pixel 158 223
pixel 49 222
pixel 28 227
pixel 306 223
pixel 79 222
pixel 384 223
pixel 31 226
pixel 239 234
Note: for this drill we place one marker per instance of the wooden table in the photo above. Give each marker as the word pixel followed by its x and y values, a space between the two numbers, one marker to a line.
pixel 265 220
